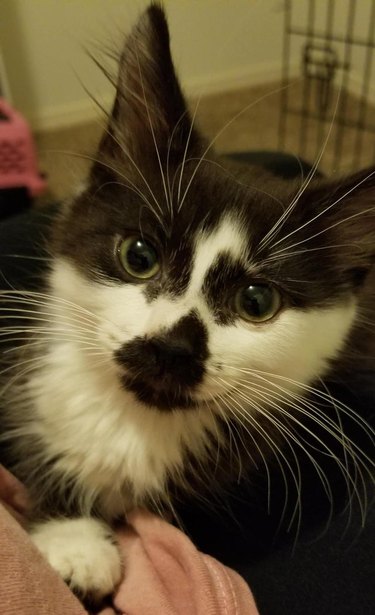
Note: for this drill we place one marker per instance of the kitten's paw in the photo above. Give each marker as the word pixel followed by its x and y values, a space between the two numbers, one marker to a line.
pixel 83 551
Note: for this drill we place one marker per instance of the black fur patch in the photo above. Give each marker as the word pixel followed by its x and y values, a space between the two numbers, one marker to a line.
pixel 163 371
pixel 222 281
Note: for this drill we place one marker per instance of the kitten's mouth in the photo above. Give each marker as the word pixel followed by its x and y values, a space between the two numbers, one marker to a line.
pixel 158 395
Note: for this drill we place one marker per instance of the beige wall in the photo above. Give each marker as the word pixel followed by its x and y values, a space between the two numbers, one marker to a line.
pixel 342 20
pixel 217 44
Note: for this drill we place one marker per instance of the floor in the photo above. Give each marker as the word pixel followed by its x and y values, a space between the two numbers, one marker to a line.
pixel 247 119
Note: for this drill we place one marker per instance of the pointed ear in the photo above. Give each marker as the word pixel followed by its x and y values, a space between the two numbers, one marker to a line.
pixel 149 113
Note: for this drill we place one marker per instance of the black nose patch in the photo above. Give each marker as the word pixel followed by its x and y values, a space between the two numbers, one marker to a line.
pixel 164 369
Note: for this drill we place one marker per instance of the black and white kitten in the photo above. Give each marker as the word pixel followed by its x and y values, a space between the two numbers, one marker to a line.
pixel 189 302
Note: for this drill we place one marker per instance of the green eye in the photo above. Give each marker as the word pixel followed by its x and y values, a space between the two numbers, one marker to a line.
pixel 139 258
pixel 258 302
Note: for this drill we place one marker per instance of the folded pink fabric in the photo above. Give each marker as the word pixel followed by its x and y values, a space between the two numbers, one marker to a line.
pixel 28 586
pixel 164 573
pixel 13 495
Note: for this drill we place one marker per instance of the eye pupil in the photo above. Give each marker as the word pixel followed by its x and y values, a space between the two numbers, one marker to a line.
pixel 138 257
pixel 141 257
pixel 258 302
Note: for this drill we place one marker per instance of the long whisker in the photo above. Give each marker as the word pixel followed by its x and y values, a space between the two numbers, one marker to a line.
pixel 327 424
pixel 247 417
pixel 345 409
pixel 116 171
pixel 279 223
pixel 39 316
pixel 135 188
pixel 34 297
pixel 170 143
pixel 111 133
pixel 231 428
pixel 234 178
pixel 169 204
pixel 351 451
pixel 321 213
pixel 278 256
pixel 337 435
pixel 213 141
pixel 280 457
pixel 290 436
pixel 185 153
pixel 346 445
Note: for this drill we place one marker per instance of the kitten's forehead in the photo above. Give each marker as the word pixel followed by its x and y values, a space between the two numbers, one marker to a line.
pixel 228 238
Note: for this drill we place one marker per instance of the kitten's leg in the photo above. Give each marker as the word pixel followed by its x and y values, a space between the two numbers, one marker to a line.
pixel 83 551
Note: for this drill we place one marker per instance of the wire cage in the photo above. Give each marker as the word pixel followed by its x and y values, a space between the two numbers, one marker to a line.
pixel 332 104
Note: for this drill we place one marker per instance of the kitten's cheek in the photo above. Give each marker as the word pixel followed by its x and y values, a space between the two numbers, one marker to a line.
pixel 211 387
pixel 83 551
pixel 109 338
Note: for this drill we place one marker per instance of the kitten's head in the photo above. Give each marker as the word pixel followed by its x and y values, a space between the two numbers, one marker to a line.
pixel 212 285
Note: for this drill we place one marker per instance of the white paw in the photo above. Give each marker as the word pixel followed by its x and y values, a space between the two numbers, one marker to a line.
pixel 83 552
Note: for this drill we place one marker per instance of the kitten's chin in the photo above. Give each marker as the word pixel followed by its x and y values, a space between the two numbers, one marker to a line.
pixel 163 399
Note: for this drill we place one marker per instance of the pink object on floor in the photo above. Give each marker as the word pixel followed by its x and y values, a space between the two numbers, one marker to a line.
pixel 164 573
pixel 18 163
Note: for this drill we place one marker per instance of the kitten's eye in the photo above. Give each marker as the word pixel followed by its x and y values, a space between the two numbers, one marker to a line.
pixel 139 258
pixel 258 302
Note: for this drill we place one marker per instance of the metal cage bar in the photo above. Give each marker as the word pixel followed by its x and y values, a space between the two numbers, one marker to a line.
pixel 327 71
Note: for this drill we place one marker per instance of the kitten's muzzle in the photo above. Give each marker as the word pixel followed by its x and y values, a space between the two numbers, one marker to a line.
pixel 161 363
pixel 165 364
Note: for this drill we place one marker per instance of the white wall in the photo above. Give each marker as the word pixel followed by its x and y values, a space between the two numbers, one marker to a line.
pixel 217 45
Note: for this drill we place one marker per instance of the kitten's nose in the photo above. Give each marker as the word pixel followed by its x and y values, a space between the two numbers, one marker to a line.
pixel 165 352
pixel 173 359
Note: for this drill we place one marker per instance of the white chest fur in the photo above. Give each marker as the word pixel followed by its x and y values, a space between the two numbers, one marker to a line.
pixel 115 448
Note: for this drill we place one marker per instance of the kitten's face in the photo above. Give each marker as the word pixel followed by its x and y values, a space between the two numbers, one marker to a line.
pixel 207 284
pixel 211 312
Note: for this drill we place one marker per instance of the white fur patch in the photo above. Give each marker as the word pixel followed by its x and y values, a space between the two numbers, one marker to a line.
pixel 117 448
pixel 227 237
pixel 83 552
pixel 123 451
pixel 284 355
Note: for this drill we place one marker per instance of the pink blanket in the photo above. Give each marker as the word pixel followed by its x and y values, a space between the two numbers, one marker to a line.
pixel 164 573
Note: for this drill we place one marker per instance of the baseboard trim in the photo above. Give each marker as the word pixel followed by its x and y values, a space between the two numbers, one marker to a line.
pixel 355 87
pixel 81 111
pixel 85 110
pixel 58 117
pixel 245 77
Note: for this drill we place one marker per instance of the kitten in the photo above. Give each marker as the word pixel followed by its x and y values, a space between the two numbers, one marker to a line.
pixel 190 301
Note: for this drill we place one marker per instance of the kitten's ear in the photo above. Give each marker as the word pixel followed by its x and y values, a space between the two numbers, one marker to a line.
pixel 149 111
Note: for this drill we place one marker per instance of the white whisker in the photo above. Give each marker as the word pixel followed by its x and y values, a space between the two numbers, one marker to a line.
pixel 169 204
pixel 185 153
pixel 213 141
pixel 285 215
